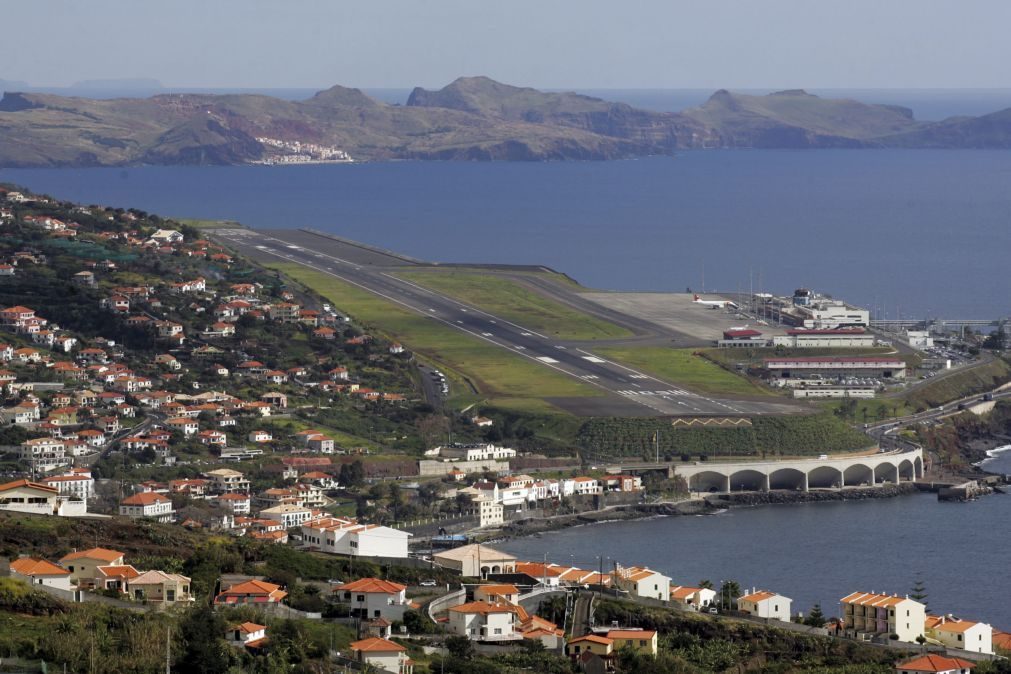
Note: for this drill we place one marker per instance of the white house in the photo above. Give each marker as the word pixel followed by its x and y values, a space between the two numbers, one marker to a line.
pixel 31 497
pixel 76 485
pixel 697 597
pixel 289 515
pixel 585 486
pixel 348 537
pixel 383 655
pixel 934 663
pixel 642 582
pixel 482 621
pixel 765 604
pixel 962 634
pixel 147 504
pixel 374 598
pixel 246 635
pixel 237 504
pixel 37 571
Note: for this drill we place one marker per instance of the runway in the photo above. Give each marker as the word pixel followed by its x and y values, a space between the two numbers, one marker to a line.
pixel 628 392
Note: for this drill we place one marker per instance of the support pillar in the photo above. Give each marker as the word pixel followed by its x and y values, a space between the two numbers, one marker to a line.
pixel 842 478
pixel 726 484
pixel 806 485
pixel 768 483
pixel 897 475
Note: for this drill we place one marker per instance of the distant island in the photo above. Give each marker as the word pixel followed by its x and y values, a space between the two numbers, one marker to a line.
pixel 473 118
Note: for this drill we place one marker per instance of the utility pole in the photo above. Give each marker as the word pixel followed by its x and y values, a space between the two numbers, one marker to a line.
pixel 168 651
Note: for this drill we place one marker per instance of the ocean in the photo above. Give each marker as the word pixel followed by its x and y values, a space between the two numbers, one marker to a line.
pixel 906 233
pixel 818 552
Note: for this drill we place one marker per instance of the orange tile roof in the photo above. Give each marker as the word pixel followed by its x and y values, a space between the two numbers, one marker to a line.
pixel 934 663
pixel 683 592
pixel 249 628
pixel 144 499
pixel 631 634
pixel 954 626
pixel 103 554
pixel 255 587
pixel 497 589
pixel 1002 640
pixel 761 595
pixel 484 608
pixel 124 571
pixel 871 599
pixel 372 585
pixel 376 645
pixel 595 638
pixel 26 483
pixel 32 566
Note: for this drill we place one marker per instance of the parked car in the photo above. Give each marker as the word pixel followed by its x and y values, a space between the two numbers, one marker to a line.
pixel 428 583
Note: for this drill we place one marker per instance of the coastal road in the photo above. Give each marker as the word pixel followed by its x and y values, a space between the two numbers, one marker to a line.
pixel 627 392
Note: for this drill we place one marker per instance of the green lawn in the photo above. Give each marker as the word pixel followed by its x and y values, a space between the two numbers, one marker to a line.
pixel 681 367
pixel 506 378
pixel 209 224
pixel 512 301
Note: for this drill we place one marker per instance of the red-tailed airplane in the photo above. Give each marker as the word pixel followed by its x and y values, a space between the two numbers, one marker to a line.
pixel 713 304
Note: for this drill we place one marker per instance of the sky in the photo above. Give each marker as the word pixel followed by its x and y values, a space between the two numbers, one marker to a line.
pixel 541 43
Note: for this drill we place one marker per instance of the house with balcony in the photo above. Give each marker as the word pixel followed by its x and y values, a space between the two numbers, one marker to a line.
pixel 148 505
pixel 481 621
pixel 374 598
pixel 161 588
pixel 227 481
pixel 871 615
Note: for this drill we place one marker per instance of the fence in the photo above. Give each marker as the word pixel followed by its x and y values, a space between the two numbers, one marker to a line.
pixel 446 601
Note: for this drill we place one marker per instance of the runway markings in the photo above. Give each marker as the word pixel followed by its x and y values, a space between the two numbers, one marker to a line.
pixel 594 359
pixel 520 348
pixel 590 376
pixel 638 376
pixel 546 359
pixel 486 334
pixel 524 334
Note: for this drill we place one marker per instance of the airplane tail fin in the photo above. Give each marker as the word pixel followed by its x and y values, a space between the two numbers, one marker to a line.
pixel 695 297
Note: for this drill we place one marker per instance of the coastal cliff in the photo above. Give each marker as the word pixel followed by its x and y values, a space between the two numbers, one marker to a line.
pixel 473 118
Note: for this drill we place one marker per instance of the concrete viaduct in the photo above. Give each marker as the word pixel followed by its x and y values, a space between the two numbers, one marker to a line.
pixel 904 465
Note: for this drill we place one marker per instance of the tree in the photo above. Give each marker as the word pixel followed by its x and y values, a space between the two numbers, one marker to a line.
pixel 730 590
pixel 815 618
pixel 206 651
pixel 919 590
pixel 460 647
pixel 706 584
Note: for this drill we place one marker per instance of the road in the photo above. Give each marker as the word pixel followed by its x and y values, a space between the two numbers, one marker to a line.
pixel 627 392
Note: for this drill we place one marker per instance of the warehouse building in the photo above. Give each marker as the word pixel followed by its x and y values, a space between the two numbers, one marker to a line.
pixel 857 366
pixel 821 339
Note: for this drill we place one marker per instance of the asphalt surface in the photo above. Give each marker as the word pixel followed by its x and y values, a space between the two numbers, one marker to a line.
pixel 627 392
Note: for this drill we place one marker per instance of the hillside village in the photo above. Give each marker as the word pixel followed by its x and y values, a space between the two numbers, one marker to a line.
pixel 152 377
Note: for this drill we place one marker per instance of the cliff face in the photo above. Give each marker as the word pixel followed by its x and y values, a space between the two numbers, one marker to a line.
pixel 470 119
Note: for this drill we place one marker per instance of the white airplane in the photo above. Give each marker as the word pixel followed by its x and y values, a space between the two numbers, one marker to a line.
pixel 713 304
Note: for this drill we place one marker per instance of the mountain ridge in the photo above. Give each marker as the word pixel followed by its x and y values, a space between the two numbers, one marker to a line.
pixel 472 118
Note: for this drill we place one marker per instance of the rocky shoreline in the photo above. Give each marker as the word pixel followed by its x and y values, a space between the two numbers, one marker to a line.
pixel 706 506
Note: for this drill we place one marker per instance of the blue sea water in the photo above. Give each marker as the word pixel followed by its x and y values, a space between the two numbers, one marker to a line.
pixel 906 233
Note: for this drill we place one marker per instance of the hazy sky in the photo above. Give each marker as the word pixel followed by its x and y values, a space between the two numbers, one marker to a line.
pixel 544 43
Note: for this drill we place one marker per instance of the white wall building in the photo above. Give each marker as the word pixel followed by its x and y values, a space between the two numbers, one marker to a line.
pixel 348 537
pixel 374 598
pixel 147 504
pixel 288 515
pixel 962 634
pixel 481 621
pixel 764 604
pixel 642 582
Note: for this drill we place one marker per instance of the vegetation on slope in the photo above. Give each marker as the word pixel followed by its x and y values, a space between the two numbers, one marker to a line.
pixel 767 437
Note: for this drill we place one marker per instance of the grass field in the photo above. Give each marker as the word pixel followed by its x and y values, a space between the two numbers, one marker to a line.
pixel 516 303
pixel 209 224
pixel 504 379
pixel 680 366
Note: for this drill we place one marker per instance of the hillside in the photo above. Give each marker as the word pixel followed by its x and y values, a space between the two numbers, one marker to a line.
pixel 473 118
pixel 795 118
